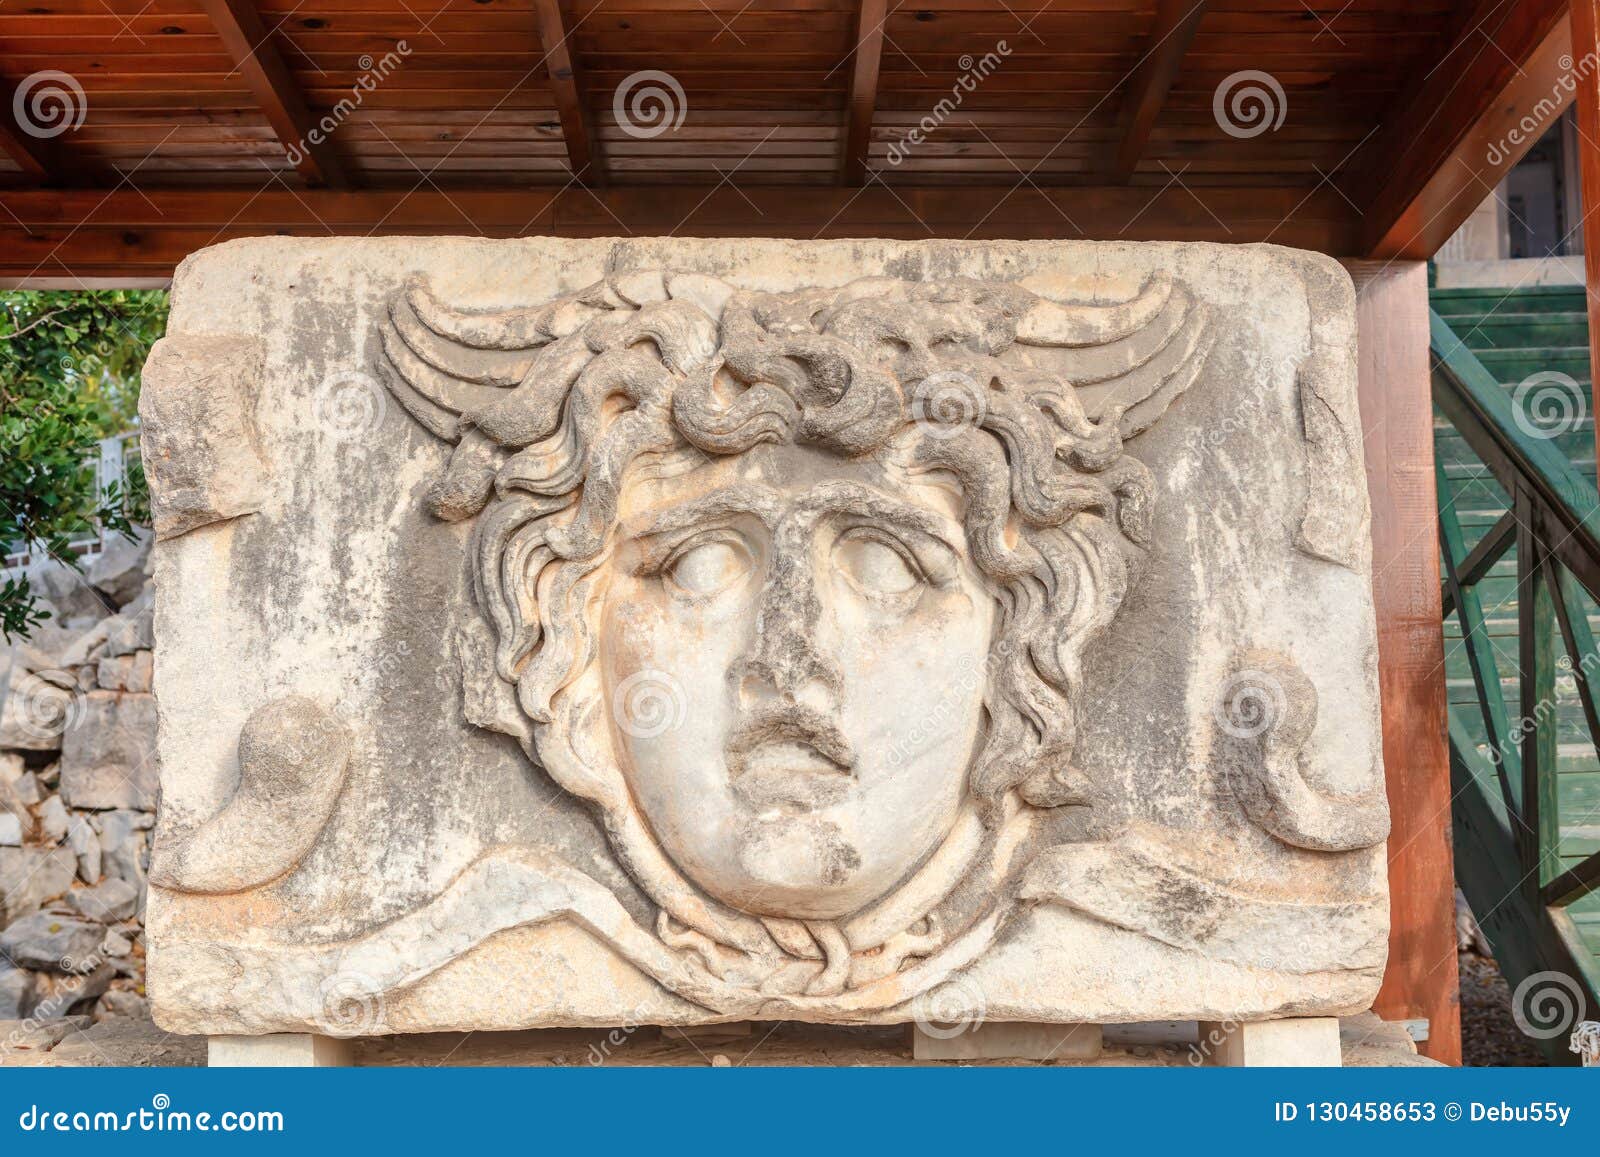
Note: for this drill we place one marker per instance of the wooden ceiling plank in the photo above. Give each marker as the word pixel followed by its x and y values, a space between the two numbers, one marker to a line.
pixel 583 148
pixel 863 89
pixel 1177 21
pixel 1462 126
pixel 249 43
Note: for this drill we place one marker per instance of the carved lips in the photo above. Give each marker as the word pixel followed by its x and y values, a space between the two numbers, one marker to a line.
pixel 790 757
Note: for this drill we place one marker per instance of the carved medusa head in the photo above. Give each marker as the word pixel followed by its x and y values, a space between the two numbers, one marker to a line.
pixel 794 587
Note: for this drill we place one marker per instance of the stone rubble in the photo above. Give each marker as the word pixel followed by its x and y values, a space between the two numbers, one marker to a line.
pixel 78 794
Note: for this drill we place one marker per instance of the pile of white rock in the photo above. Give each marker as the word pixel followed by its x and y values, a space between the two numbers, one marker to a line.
pixel 78 793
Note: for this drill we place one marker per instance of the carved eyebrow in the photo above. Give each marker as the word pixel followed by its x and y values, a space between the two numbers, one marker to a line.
pixel 721 503
pixel 841 497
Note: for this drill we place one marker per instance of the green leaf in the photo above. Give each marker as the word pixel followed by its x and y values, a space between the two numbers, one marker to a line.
pixel 69 376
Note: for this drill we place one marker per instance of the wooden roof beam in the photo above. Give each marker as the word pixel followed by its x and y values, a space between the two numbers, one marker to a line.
pixel 577 130
pixel 1176 23
pixel 1461 127
pixel 145 233
pixel 40 150
pixel 863 89
pixel 249 43
pixel 39 157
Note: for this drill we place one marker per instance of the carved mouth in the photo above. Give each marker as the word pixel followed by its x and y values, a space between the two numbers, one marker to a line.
pixel 789 758
pixel 789 777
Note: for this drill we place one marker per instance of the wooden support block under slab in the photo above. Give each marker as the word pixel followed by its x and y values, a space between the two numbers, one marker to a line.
pixel 282 1050
pixel 729 1031
pixel 1151 1032
pixel 1299 1042
pixel 1009 1041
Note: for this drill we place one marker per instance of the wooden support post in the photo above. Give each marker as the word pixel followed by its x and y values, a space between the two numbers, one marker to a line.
pixel 1539 834
pixel 1585 17
pixel 1397 426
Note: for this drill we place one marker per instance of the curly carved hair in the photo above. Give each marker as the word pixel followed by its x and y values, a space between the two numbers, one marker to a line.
pixel 552 407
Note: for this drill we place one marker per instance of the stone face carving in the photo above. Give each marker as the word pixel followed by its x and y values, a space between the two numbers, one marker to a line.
pixel 868 621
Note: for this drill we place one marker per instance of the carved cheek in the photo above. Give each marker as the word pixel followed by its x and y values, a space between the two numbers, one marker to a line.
pixel 649 628
pixel 666 690
pixel 688 644
pixel 633 635
pixel 944 626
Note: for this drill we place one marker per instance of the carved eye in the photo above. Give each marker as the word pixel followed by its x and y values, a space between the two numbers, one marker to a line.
pixel 874 566
pixel 708 567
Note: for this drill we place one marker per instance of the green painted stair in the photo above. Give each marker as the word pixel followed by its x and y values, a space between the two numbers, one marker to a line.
pixel 1539 333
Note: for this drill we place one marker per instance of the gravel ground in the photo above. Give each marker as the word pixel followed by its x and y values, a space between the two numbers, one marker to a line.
pixel 1489 1035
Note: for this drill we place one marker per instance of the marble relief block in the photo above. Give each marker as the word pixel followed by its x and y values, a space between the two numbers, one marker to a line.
pixel 670 631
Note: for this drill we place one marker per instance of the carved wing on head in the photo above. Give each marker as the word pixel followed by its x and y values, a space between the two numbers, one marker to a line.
pixel 443 364
pixel 1132 358
pixel 496 380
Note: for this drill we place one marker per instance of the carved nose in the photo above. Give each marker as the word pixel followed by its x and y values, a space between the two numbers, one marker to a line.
pixel 785 660
pixel 798 676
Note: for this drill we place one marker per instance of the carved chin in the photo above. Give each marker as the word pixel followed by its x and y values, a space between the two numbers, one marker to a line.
pixel 798 868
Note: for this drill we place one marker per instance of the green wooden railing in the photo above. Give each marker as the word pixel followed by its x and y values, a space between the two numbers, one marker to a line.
pixel 1513 858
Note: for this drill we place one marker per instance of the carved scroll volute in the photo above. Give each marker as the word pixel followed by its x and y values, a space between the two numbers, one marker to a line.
pixel 292 761
pixel 1266 712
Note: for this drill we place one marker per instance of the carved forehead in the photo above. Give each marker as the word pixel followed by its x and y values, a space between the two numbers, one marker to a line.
pixel 769 481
